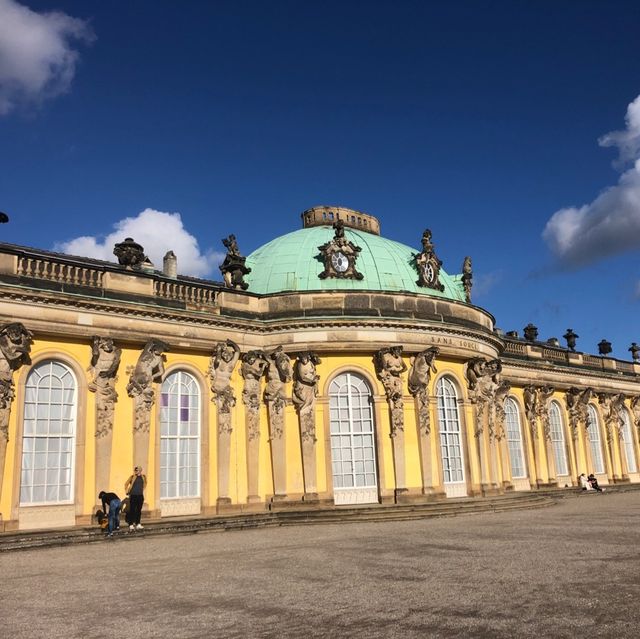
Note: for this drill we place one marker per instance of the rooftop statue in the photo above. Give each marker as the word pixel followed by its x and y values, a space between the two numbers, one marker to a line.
pixel 233 268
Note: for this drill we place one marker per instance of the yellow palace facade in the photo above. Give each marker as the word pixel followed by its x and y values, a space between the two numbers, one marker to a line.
pixel 331 366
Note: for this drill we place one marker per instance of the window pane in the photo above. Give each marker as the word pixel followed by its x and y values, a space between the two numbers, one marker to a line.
pixel 180 435
pixel 50 411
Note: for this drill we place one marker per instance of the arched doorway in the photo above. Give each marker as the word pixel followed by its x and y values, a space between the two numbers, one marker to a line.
pixel 556 432
pixel 455 484
pixel 595 442
pixel 353 445
pixel 180 433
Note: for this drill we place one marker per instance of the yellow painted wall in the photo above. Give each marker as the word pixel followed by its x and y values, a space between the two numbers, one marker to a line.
pixel 78 355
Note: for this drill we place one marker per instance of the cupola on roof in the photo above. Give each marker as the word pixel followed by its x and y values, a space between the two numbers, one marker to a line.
pixel 298 261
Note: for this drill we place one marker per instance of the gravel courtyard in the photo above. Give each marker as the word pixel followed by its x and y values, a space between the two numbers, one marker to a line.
pixel 570 570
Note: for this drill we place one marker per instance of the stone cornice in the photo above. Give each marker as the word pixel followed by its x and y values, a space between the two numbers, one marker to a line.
pixel 564 377
pixel 212 318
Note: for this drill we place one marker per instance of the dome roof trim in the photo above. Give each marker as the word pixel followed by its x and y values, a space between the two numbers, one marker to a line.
pixel 293 263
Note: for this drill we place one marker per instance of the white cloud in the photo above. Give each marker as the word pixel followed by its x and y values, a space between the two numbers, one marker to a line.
pixel 157 232
pixel 627 141
pixel 36 58
pixel 485 282
pixel 611 223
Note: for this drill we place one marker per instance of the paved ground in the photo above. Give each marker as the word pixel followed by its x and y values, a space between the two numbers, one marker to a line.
pixel 570 570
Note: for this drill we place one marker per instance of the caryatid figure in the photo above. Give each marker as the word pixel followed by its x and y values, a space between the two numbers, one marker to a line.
pixel 223 361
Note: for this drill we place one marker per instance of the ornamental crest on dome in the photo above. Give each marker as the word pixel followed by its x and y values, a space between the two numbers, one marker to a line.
pixel 428 264
pixel 339 256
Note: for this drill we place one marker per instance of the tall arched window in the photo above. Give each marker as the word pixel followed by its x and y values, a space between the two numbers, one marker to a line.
pixel 514 438
pixel 48 441
pixel 594 440
pixel 353 451
pixel 556 428
pixel 627 436
pixel 450 437
pixel 179 436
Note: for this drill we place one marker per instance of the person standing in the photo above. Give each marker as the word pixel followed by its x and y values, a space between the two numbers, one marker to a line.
pixel 113 502
pixel 134 487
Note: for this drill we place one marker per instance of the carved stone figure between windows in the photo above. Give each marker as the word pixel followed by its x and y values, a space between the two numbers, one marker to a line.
pixel 148 370
pixel 544 394
pixel 105 360
pixel 418 383
pixel 221 366
pixel 278 374
pixel 577 402
pixel 253 368
pixel 305 390
pixel 389 367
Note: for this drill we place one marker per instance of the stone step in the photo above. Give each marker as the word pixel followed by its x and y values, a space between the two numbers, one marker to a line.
pixel 39 539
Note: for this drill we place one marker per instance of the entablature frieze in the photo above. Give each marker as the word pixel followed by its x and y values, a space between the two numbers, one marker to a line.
pixel 67 316
pixel 521 375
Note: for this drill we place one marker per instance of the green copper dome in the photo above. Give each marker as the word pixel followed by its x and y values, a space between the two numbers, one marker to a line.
pixel 292 262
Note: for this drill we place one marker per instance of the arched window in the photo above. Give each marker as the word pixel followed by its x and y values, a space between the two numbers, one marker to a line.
pixel 556 428
pixel 594 440
pixel 48 441
pixel 450 433
pixel 179 436
pixel 353 452
pixel 514 438
pixel 627 436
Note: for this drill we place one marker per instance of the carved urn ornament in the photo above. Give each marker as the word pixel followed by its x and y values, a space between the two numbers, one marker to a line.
pixel 233 268
pixel 129 253
pixel 429 265
pixel 339 256
pixel 571 338
pixel 634 349
pixel 604 347
pixel 531 333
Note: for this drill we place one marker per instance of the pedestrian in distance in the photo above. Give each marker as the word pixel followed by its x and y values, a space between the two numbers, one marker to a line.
pixel 593 482
pixel 113 503
pixel 134 487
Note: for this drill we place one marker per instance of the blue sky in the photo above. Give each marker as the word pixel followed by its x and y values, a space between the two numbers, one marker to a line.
pixel 479 120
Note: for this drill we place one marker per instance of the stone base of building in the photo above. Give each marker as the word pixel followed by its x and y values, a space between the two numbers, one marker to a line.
pixel 490 490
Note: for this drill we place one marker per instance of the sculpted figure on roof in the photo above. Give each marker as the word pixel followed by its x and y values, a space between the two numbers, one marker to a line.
pixel 233 268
